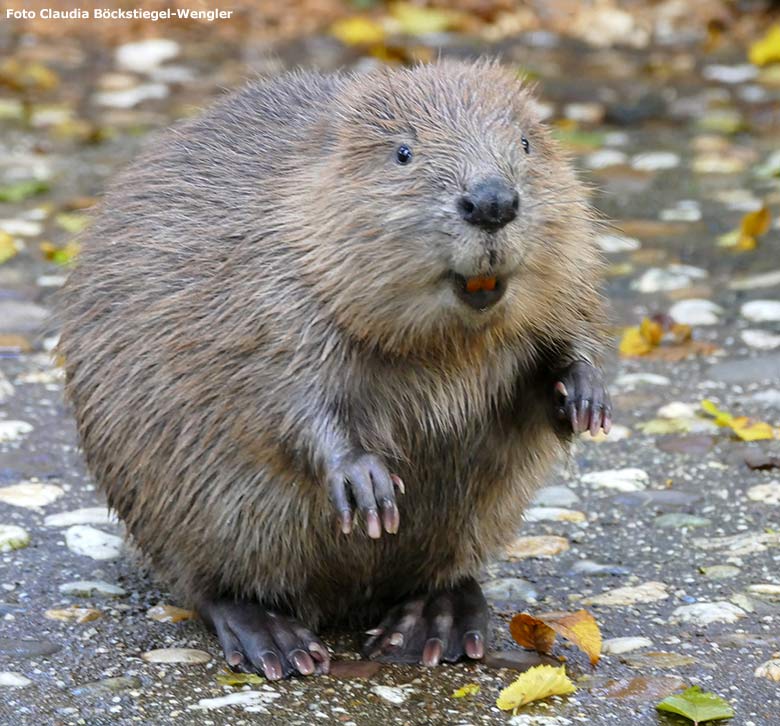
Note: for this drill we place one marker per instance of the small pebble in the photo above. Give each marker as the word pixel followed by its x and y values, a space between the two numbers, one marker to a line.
pixel 13 537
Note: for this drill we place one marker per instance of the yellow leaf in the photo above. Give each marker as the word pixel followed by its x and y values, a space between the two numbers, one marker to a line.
pixel 757 431
pixel 742 426
pixel 633 343
pixel 358 30
pixel 721 417
pixel 417 20
pixel 767 50
pixel 470 689
pixel 534 684
pixel 745 243
pixel 651 331
pixel 539 632
pixel 7 247
pixel 754 224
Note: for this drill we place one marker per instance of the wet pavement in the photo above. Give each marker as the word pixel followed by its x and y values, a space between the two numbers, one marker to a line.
pixel 679 145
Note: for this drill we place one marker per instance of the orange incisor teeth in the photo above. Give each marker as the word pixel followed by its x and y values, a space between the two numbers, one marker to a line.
pixel 475 284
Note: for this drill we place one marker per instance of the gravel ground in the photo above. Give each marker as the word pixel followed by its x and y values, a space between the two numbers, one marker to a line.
pixel 665 514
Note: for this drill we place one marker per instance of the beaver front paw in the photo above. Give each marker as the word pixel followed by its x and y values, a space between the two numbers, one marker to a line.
pixel 444 625
pixel 582 399
pixel 363 480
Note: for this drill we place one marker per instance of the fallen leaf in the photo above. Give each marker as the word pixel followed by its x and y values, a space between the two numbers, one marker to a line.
pixel 643 688
pixel 742 426
pixel 535 684
pixel 163 613
pixel 418 20
pixel 73 614
pixel 72 222
pixel 229 678
pixel 470 689
pixel 753 225
pixel 538 632
pixel 767 50
pixel 697 705
pixel 358 30
pixel 8 247
pixel 21 190
pixel 60 255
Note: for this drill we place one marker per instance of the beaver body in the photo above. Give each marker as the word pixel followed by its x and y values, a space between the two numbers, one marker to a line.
pixel 309 295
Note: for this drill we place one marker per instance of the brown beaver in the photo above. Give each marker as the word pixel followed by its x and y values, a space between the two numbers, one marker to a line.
pixel 335 305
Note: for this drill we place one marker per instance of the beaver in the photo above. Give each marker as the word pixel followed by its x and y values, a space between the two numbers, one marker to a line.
pixel 322 344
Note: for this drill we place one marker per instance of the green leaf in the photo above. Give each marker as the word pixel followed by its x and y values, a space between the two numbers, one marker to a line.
pixel 697 705
pixel 228 678
pixel 21 190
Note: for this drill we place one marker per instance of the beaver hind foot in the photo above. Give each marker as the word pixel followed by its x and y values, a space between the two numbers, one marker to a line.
pixel 444 625
pixel 255 639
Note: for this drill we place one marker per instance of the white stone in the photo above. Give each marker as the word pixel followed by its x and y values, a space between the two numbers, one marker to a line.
pixel 393 694
pixel 146 55
pixel 630 380
pixel 132 96
pixel 761 311
pixel 623 480
pixel 704 613
pixel 239 698
pixel 655 161
pixel 13 537
pixel 605 158
pixel 13 430
pixel 88 515
pixel 765 279
pixel 616 646
pixel 612 243
pixel 528 719
pixel 553 514
pixel 90 588
pixel 760 339
pixel 10 679
pixel 768 493
pixel 30 494
pixel 730 74
pixel 630 595
pixel 686 210
pixel 6 389
pixel 555 496
pixel 90 542
pixel 678 409
pixel 674 277
pixel 20 227
pixel 695 311
pixel 770 397
pixel 770 669
pixel 176 655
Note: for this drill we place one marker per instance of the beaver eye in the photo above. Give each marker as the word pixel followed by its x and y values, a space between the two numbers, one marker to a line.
pixel 403 154
pixel 526 145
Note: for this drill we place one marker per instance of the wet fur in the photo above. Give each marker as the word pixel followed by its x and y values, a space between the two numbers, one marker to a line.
pixel 263 285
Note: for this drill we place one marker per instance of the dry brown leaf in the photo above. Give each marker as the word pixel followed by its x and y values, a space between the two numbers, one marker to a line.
pixel 538 632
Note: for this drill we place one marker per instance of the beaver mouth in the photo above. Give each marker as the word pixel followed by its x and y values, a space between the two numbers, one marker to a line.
pixel 479 292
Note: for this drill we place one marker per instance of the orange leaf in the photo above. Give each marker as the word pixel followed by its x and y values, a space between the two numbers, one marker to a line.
pixel 754 224
pixel 538 633
pixel 531 632
pixel 633 343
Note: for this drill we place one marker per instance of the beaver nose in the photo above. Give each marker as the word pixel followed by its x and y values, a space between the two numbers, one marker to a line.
pixel 489 204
